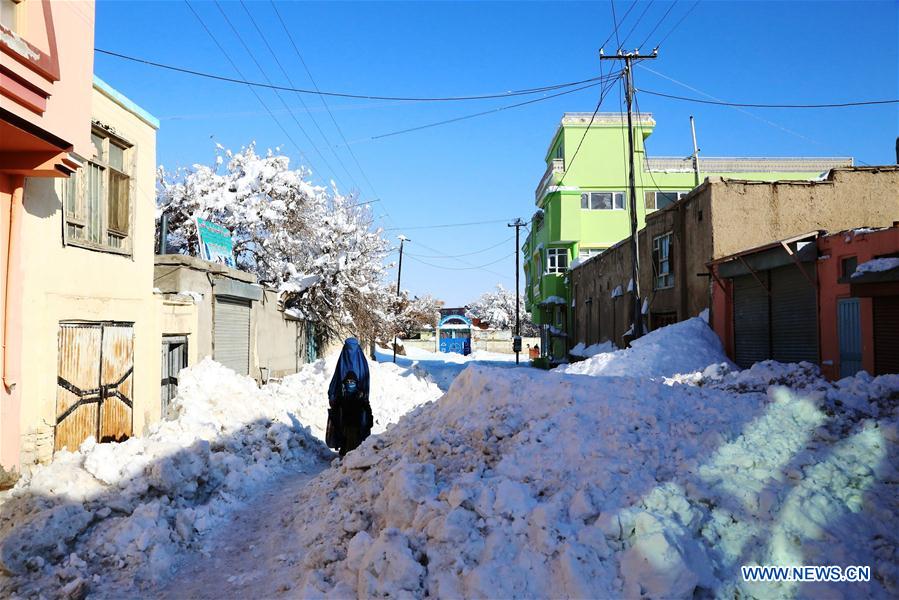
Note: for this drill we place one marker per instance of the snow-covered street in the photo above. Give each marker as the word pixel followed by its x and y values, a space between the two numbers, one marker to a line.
pixel 578 482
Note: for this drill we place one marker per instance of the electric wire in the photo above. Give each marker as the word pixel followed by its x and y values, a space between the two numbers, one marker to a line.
pixel 481 251
pixel 676 25
pixel 465 262
pixel 653 30
pixel 322 97
pixel 483 112
pixel 277 93
pixel 615 22
pixel 751 105
pixel 768 122
pixel 251 88
pixel 637 22
pixel 298 95
pixel 623 19
pixel 447 226
pixel 471 268
pixel 244 81
pixel 602 96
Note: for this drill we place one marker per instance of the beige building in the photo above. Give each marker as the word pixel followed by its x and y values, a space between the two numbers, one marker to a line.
pixel 719 218
pixel 211 310
pixel 90 321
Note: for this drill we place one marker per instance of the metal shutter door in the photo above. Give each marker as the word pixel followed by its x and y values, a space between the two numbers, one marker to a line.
pixel 794 315
pixel 886 335
pixel 751 321
pixel 232 334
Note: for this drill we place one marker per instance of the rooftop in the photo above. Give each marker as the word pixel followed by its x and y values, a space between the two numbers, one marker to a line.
pixel 747 164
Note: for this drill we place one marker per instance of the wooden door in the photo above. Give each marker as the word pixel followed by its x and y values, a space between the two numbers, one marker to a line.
pixel 117 383
pixel 95 375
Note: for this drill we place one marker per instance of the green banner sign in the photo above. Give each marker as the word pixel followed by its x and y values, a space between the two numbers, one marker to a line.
pixel 215 243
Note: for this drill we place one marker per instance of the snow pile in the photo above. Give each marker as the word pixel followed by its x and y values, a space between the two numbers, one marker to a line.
pixel 635 488
pixel 684 347
pixel 395 390
pixel 592 350
pixel 877 265
pixel 108 511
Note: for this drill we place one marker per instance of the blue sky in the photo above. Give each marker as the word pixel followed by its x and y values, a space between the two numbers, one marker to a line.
pixel 486 169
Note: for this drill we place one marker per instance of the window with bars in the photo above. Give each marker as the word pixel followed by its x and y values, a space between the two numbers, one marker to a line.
pixel 556 260
pixel 657 199
pixel 97 198
pixel 602 201
pixel 663 274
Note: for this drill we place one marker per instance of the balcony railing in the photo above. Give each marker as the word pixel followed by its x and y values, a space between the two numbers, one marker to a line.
pixel 549 177
pixel 745 164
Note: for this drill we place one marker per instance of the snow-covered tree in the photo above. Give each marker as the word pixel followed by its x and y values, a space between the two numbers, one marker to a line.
pixel 415 313
pixel 311 242
pixel 497 310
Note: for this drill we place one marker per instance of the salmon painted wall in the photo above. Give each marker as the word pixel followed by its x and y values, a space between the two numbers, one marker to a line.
pixel 863 245
pixel 50 56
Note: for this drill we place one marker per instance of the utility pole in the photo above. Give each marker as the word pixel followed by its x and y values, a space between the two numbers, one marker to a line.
pixel 399 274
pixel 629 58
pixel 516 341
pixel 695 154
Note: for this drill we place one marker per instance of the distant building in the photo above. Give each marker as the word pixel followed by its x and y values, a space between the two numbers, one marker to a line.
pixel 720 218
pixel 586 212
pixel 454 331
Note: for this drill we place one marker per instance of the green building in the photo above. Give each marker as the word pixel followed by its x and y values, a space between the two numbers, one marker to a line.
pixel 584 210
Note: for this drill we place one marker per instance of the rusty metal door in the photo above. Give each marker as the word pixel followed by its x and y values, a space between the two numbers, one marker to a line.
pixel 95 378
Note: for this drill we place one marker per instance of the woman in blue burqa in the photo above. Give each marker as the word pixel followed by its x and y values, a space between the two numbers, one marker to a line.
pixel 350 416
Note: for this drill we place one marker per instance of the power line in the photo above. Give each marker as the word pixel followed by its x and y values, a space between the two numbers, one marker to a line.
pixel 637 22
pixel 322 97
pixel 255 93
pixel 653 30
pixel 471 268
pixel 602 96
pixel 481 251
pixel 676 25
pixel 748 105
pixel 484 112
pixel 615 22
pixel 243 81
pixel 298 95
pixel 446 226
pixel 623 19
pixel 768 122
pixel 465 262
pixel 277 93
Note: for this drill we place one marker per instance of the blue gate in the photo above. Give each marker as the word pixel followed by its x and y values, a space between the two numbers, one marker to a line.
pixel 849 327
pixel 454 332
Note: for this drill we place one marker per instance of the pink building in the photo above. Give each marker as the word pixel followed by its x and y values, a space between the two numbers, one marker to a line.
pixel 46 67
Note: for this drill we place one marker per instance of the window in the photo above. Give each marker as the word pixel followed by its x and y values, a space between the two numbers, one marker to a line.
pixel 585 253
pixel 602 200
pixel 97 199
pixel 556 260
pixel 663 275
pixel 560 151
pixel 8 17
pixel 848 266
pixel 657 199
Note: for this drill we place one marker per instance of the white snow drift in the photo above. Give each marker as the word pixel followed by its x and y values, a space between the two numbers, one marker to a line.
pixel 519 483
pixel 685 347
pixel 119 514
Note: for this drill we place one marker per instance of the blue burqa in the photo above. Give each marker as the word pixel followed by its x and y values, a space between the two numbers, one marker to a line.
pixel 352 358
